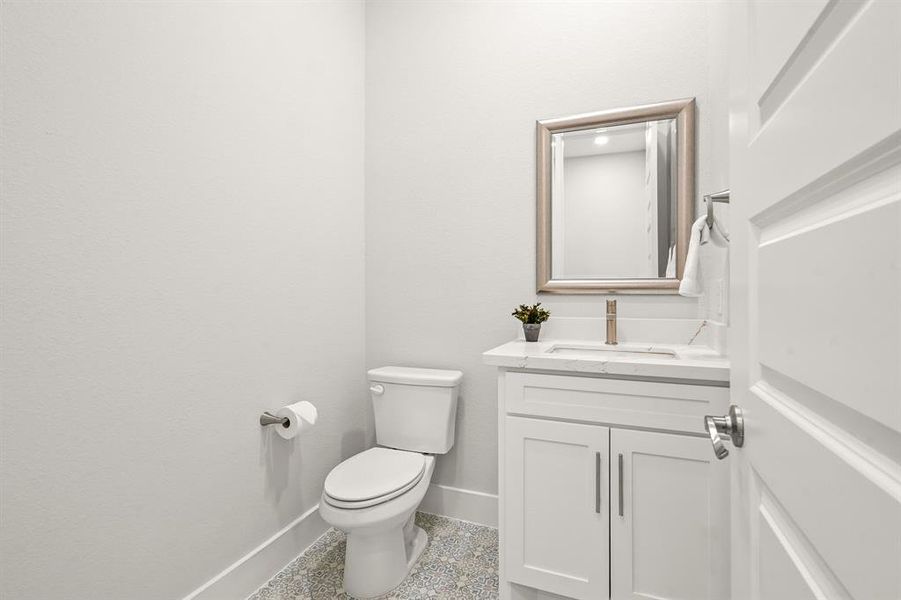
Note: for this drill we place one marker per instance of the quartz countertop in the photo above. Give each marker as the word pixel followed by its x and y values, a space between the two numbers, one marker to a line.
pixel 692 362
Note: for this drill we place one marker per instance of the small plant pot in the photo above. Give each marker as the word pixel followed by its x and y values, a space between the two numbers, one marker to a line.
pixel 531 331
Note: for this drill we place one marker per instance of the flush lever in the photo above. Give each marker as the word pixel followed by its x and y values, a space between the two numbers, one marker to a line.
pixel 731 426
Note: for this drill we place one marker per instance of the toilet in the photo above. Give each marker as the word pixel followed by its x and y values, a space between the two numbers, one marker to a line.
pixel 372 496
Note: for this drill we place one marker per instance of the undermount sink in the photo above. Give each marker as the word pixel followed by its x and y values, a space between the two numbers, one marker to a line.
pixel 605 351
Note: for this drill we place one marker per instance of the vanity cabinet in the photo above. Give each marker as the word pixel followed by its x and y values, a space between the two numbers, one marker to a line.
pixel 669 517
pixel 558 506
pixel 610 490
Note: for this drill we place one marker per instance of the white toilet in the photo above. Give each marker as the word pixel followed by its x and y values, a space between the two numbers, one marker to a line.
pixel 373 496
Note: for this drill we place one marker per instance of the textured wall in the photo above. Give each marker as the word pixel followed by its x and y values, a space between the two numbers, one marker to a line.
pixel 452 94
pixel 182 248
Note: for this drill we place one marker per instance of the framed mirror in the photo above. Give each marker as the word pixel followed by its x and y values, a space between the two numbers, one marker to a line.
pixel 616 199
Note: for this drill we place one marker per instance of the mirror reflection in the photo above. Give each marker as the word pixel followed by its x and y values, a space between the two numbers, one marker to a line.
pixel 613 202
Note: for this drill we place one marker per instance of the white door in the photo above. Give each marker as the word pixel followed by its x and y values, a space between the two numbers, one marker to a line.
pixel 557 509
pixel 816 330
pixel 669 518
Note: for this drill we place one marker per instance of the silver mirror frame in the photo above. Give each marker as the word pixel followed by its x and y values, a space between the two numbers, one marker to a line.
pixel 683 111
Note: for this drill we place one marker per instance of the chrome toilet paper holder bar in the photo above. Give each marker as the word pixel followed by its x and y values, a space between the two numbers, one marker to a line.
pixel 267 418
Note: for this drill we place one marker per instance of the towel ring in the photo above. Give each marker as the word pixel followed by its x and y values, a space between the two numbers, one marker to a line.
pixel 722 196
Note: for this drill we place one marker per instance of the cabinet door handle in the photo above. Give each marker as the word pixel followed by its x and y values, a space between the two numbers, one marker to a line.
pixel 620 465
pixel 597 482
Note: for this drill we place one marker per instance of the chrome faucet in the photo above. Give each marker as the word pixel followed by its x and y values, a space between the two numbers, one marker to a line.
pixel 611 323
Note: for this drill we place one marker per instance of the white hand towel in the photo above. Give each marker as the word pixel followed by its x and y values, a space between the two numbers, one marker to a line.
pixel 718 235
pixel 705 233
pixel 691 283
pixel 671 263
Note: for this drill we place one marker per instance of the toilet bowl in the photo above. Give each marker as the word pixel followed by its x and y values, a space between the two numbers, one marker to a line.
pixel 373 496
pixel 383 542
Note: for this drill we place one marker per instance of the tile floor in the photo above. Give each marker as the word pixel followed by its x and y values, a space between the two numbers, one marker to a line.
pixel 460 562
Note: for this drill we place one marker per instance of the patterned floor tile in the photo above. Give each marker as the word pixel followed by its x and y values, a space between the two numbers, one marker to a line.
pixel 460 563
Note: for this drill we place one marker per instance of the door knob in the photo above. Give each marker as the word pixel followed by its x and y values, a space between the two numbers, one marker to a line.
pixel 732 426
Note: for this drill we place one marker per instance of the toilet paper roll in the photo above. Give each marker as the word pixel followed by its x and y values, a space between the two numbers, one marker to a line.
pixel 301 416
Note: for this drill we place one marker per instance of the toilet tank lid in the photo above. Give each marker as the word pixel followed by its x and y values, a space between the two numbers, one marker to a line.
pixel 415 376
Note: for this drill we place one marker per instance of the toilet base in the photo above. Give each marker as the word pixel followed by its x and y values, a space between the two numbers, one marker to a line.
pixel 376 563
pixel 415 550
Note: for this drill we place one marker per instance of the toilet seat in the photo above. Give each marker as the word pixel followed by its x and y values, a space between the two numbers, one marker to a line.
pixel 373 477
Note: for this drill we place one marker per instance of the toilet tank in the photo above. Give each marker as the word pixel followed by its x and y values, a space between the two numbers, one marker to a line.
pixel 415 409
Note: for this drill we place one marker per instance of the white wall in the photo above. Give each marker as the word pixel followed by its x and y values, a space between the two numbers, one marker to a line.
pixel 606 231
pixel 714 305
pixel 182 248
pixel 452 94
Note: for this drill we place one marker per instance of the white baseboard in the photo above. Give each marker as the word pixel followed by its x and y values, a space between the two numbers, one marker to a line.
pixel 467 505
pixel 258 566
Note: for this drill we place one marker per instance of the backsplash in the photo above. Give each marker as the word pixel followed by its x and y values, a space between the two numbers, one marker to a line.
pixel 695 332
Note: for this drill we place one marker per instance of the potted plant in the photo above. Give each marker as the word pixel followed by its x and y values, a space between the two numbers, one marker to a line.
pixel 532 317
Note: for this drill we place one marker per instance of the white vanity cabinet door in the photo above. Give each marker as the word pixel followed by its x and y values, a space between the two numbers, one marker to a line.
pixel 556 498
pixel 670 538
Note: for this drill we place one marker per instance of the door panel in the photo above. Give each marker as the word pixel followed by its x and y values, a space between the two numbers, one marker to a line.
pixel 669 540
pixel 788 562
pixel 817 334
pixel 816 282
pixel 556 507
pixel 783 25
pixel 830 490
pixel 782 575
pixel 837 108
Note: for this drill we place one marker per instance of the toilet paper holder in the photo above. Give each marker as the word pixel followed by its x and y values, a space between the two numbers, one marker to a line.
pixel 267 418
